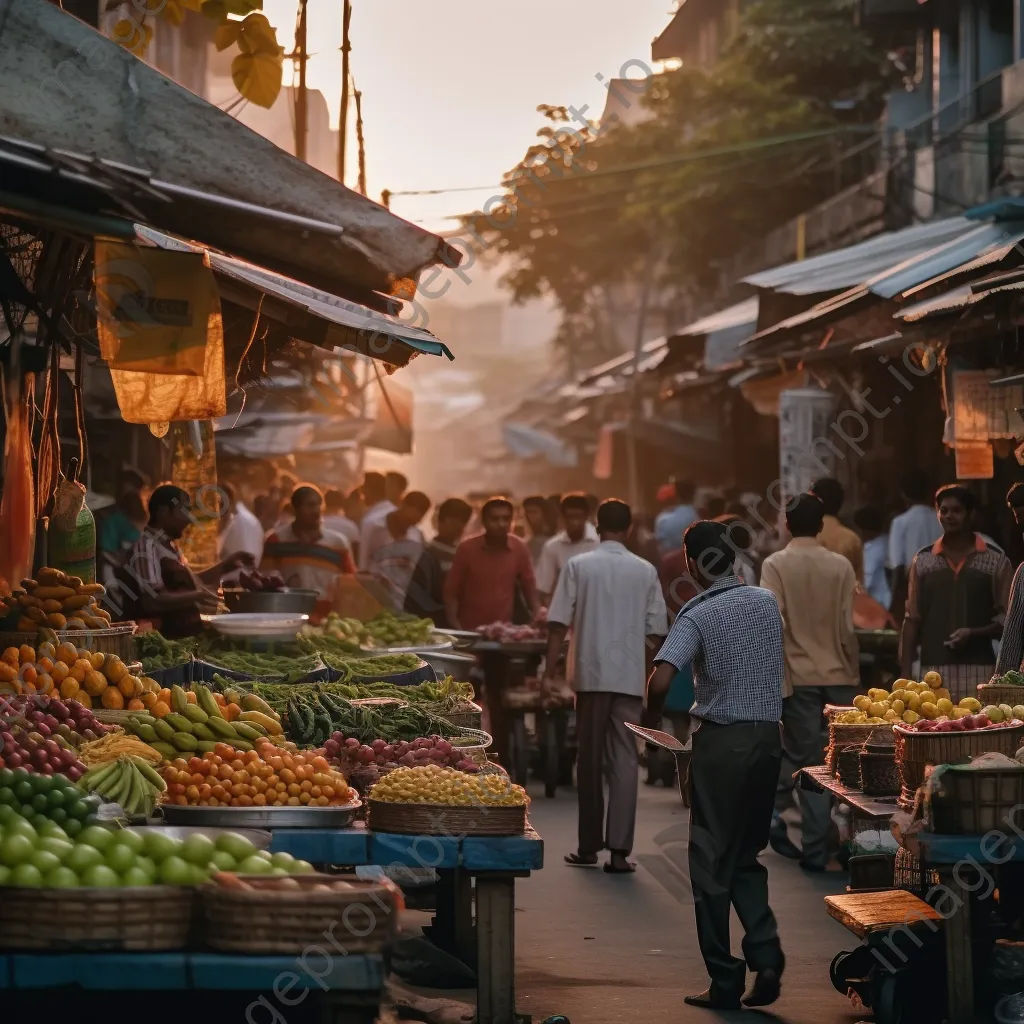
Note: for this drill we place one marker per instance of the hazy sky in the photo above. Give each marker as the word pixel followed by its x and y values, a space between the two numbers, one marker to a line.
pixel 450 87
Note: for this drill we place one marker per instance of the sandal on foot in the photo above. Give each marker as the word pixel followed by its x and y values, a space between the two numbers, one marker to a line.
pixel 611 869
pixel 577 860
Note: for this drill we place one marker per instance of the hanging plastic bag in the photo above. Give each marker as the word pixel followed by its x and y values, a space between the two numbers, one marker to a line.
pixel 71 536
pixel 161 333
pixel 17 507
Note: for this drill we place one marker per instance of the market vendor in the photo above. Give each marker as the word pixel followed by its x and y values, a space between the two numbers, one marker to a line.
pixel 305 553
pixel 957 594
pixel 156 583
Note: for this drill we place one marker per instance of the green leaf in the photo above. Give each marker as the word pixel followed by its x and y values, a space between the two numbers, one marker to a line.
pixel 257 76
pixel 227 34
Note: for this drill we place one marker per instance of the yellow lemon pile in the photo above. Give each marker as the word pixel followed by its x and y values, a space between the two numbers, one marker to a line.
pixel 432 784
pixel 908 702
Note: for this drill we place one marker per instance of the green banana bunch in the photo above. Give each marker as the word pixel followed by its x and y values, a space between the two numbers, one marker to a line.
pixel 130 781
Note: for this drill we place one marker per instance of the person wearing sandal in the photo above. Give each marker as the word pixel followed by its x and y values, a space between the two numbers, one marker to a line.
pixel 612 600
pixel 732 634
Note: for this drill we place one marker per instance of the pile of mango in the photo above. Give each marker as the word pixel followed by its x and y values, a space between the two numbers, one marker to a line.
pixel 907 702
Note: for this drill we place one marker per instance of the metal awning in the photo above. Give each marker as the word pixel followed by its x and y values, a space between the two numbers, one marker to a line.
pixel 185 166
pixel 854 264
pixel 342 324
pixel 898 279
pixel 724 332
pixel 960 299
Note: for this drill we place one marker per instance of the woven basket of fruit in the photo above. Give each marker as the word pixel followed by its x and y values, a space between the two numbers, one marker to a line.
pixel 840 737
pixel 973 801
pixel 950 742
pixel 257 914
pixel 151 918
pixel 430 800
pixel 848 766
pixel 1001 693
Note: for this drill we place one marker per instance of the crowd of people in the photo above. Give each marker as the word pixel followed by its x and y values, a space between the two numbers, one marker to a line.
pixel 721 620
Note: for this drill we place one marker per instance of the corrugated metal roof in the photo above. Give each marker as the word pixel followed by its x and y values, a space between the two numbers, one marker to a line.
pixel 954 301
pixel 899 278
pixel 744 312
pixel 844 268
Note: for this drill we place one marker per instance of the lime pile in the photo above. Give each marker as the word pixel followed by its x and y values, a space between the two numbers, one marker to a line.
pixel 43 798
pixel 100 857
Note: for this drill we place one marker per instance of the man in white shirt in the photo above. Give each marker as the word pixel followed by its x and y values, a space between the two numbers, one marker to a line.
pixel 578 536
pixel 910 531
pixel 394 547
pixel 612 600
pixel 378 507
pixel 241 531
pixel 337 519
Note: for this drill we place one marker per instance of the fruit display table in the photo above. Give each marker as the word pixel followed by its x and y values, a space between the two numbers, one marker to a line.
pixel 348 987
pixel 972 853
pixel 493 864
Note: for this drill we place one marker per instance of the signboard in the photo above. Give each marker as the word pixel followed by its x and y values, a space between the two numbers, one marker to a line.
pixel 984 413
pixel 805 416
pixel 974 461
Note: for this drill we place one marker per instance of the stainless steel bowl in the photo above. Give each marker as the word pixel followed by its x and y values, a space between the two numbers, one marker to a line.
pixel 301 602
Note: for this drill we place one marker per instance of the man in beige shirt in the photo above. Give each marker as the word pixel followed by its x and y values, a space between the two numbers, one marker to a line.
pixel 834 536
pixel 814 588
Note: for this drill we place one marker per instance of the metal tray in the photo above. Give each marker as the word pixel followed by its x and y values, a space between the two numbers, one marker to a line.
pixel 442 642
pixel 263 817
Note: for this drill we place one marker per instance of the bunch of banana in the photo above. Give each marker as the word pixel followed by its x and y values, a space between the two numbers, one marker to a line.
pixel 130 781
pixel 199 727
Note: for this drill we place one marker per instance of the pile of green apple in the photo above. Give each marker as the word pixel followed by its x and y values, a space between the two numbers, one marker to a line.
pixel 44 856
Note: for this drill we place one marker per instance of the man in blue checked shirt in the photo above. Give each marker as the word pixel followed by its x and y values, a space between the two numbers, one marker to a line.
pixel 732 635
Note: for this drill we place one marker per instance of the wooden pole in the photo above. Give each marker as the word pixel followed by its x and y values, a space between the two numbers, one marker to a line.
pixel 301 106
pixel 361 140
pixel 346 21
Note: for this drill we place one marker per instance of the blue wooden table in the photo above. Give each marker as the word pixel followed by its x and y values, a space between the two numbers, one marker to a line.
pixel 348 988
pixel 975 859
pixel 490 865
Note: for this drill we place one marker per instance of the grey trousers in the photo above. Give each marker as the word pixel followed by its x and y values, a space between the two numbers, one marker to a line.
pixel 607 750
pixel 734 771
pixel 804 736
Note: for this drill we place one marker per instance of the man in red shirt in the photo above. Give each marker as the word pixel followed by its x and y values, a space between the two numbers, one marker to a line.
pixel 481 586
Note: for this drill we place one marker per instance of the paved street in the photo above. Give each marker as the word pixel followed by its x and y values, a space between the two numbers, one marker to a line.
pixel 622 950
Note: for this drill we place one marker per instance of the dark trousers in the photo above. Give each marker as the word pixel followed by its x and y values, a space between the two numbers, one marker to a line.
pixel 734 772
pixel 607 750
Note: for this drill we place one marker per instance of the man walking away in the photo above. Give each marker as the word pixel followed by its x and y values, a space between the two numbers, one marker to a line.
pixel 910 531
pixel 425 596
pixel 672 521
pixel 957 594
pixel 578 536
pixel 396 544
pixel 814 588
pixel 336 517
pixel 732 634
pixel 612 600
pixel 834 536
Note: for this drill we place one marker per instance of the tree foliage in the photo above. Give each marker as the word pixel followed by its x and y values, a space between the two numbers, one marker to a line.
pixel 724 155
pixel 257 68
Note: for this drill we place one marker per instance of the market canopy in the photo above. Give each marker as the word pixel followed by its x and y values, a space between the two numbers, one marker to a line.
pixel 325 320
pixel 99 115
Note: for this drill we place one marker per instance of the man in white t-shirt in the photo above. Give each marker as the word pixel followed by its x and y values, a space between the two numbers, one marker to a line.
pixel 910 531
pixel 241 531
pixel 337 519
pixel 378 507
pixel 394 547
pixel 578 536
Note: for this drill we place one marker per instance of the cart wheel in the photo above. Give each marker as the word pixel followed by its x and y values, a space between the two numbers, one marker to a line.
pixel 888 1005
pixel 837 973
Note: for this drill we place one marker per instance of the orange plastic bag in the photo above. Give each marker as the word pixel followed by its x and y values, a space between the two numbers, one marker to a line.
pixel 17 508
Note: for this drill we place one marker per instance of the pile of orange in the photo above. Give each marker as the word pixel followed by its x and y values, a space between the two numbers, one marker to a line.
pixel 271 777
pixel 90 677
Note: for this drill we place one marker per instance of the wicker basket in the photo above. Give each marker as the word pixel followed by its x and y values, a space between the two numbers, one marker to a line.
pixel 915 751
pixel 977 802
pixel 841 736
pixel 263 921
pixel 152 918
pixel 908 874
pixel 442 820
pixel 848 766
pixel 474 751
pixel 119 640
pixel 879 775
pixel 1000 693
pixel 466 716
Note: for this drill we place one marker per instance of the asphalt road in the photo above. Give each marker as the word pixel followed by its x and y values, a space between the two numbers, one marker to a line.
pixel 606 949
